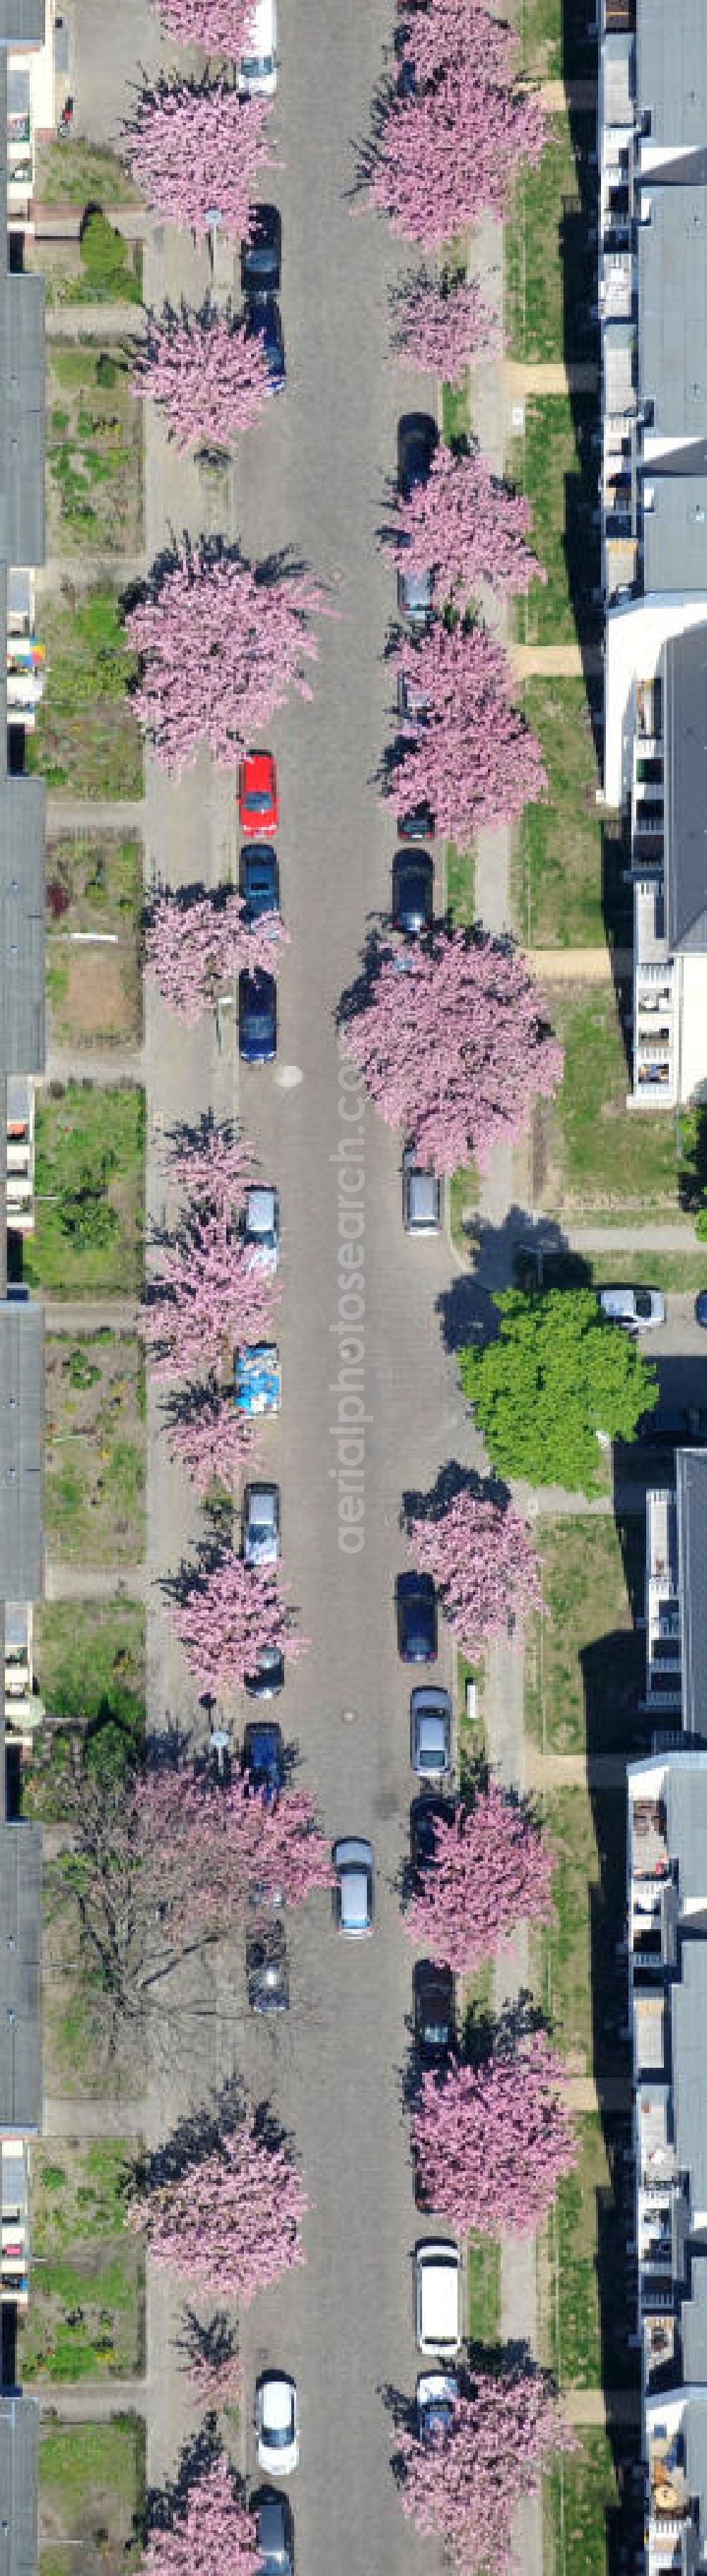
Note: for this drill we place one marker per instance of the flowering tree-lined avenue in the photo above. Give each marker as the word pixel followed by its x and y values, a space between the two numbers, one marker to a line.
pixel 474 760
pixel 205 1297
pixel 232 2221
pixel 220 646
pixel 228 1616
pixel 195 945
pixel 195 149
pixel 219 26
pixel 491 1871
pixel 483 1564
pixel 452 1046
pixel 468 526
pixel 449 145
pixel 464 2487
pixel 442 323
pixel 212 2530
pixel 208 375
pixel 493 2141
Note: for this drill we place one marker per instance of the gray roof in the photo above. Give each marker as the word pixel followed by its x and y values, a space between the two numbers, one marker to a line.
pixel 22 1038
pixel 671 59
pixel 684 681
pixel 691 1497
pixel 19 2453
pixel 22 419
pixel 21 23
pixel 21 1451
pixel 675 529
pixel 672 250
pixel 688 2001
pixel 20 1956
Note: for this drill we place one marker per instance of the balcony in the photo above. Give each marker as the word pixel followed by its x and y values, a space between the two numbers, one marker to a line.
pixel 20 134
pixel 651 1857
pixel 20 1153
pixel 14 2224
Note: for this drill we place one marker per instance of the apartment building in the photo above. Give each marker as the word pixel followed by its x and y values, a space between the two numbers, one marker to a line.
pixel 653 502
pixel 675 1595
pixel 667 1943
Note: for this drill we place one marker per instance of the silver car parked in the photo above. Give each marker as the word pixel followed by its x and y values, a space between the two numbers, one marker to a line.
pixel 261 1524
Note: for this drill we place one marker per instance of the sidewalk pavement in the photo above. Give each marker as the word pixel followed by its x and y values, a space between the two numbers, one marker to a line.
pixel 94 1583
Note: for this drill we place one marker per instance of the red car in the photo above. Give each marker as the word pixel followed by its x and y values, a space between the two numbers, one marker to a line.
pixel 258 800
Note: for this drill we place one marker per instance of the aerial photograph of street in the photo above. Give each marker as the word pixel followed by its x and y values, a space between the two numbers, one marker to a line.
pixel 353 1313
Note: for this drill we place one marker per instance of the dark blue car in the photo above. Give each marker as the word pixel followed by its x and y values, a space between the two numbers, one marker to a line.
pixel 259 879
pixel 416 1607
pixel 257 1017
pixel 260 257
pixel 262 322
pixel 262 1758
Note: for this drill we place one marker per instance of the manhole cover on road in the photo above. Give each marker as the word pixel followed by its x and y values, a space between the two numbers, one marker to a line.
pixel 288 1076
pixel 348 1716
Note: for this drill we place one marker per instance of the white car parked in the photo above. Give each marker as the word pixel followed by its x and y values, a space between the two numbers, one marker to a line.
pixel 257 70
pixel 638 1309
pixel 276 2423
pixel 437 2296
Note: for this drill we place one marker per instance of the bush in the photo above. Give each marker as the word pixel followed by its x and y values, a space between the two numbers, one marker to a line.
pixel 103 255
pixel 106 369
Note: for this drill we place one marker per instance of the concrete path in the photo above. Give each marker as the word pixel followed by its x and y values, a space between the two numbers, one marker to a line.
pixel 573 94
pixel 674 1236
pixel 82 1064
pixel 602 2406
pixel 89 1314
pixel 94 1583
pixel 555 661
pixel 78 814
pixel 523 377
pixel 85 570
pixel 580 965
pixel 90 2401
pixel 68 2115
pixel 97 321
pixel 574 1770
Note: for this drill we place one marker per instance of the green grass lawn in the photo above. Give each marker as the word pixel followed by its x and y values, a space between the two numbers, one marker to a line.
pixel 86 736
pixel 580 2510
pixel 551 461
pixel 483 2304
pixel 550 247
pixel 455 411
pixel 85 2318
pixel 91 2495
pixel 586 2324
pixel 88 1237
pixel 585 1663
pixel 555 42
pixel 95 1448
pixel 463 1207
pixel 89 1676
pixel 461 886
pixel 94 886
pixel 75 173
pixel 557 859
pixel 94 445
pixel 603 1156
pixel 578 1982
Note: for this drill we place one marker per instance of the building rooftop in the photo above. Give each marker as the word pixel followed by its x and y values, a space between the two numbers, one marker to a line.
pixel 20 1955
pixel 672 249
pixel 691 1501
pixel 19 2457
pixel 21 23
pixel 22 895
pixel 671 78
pixel 21 1451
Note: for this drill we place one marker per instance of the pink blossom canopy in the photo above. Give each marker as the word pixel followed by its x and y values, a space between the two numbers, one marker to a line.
pixel 491 1870
pixel 227 1618
pixel 483 1565
pixel 474 761
pixel 469 527
pixel 218 26
pixel 493 2142
pixel 448 152
pixel 232 2222
pixel 196 148
pixel 205 1297
pixel 205 1851
pixel 452 1047
pixel 220 647
pixel 465 2487
pixel 212 2530
pixel 210 378
pixel 443 328
pixel 208 1437
pixel 195 948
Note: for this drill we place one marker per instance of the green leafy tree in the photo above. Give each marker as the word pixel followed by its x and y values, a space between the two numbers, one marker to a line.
pixel 558 1374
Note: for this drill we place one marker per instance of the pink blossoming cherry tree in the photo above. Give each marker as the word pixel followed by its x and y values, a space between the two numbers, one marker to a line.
pixel 448 151
pixel 218 26
pixel 220 647
pixel 232 2222
pixel 205 1852
pixel 194 148
pixel 491 1871
pixel 226 1619
pixel 207 1436
pixel 464 2487
pixel 442 326
pixel 205 1298
pixel 475 761
pixel 195 947
pixel 212 2530
pixel 208 376
pixel 452 1046
pixel 469 526
pixel 492 2142
pixel 483 1564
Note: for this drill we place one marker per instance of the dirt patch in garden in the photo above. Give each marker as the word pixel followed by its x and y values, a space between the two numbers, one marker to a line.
pixel 97 1003
pixel 95 1450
